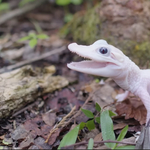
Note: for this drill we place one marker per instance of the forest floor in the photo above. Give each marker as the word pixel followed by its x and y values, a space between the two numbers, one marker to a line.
pixel 33 126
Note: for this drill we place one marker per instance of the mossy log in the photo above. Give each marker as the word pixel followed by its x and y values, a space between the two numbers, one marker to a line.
pixel 24 85
pixel 123 23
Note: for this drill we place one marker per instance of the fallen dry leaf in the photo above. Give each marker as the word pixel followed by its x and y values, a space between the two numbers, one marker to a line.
pixel 130 139
pixel 98 137
pixel 2 137
pixel 91 134
pixel 119 126
pixel 132 108
pixel 103 95
pixel 40 143
pixel 135 128
pixel 33 128
pixel 45 129
pixel 73 126
pixel 34 125
pixel 49 118
pixel 62 99
pixel 19 133
pixel 90 87
pixel 26 142
pixel 53 137
pixel 23 135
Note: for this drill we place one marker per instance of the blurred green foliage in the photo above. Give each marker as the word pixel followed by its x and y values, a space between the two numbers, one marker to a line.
pixel 24 2
pixel 33 38
pixel 67 2
pixel 4 6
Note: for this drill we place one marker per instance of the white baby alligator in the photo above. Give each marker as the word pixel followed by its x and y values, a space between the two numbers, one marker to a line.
pixel 108 61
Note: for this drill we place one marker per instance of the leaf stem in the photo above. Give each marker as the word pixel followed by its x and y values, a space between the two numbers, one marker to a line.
pixel 99 142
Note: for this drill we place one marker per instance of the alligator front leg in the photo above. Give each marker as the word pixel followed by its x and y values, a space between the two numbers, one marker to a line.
pixel 122 96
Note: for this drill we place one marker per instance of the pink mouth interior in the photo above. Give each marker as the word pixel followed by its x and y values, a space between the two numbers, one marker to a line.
pixel 88 64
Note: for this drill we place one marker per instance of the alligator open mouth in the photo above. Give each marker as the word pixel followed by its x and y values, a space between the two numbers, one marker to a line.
pixel 87 64
pixel 96 64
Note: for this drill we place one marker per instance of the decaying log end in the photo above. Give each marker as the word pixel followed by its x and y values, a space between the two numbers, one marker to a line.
pixel 24 85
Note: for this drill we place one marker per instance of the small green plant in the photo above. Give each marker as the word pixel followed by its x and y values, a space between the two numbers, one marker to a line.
pixel 33 38
pixel 67 2
pixel 4 6
pixel 104 119
pixel 68 16
pixel 97 80
pixel 91 143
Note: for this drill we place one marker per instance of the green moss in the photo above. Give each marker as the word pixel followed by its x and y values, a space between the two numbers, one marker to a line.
pixel 84 28
pixel 139 52
pixel 142 52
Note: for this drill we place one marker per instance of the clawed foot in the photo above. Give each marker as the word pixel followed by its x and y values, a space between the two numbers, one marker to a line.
pixel 122 96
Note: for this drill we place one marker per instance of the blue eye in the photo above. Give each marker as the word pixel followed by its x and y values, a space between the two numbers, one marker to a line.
pixel 103 50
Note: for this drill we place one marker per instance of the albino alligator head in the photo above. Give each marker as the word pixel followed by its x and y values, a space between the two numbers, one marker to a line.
pixel 105 60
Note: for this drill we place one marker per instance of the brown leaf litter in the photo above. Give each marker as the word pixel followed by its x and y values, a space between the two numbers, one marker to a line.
pixel 132 108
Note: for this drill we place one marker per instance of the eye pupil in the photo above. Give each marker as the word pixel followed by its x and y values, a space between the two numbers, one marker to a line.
pixel 103 50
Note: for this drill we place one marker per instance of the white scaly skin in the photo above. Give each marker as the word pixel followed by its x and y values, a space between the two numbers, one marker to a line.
pixel 116 65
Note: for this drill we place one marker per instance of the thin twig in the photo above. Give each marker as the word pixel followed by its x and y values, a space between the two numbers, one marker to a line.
pixel 20 11
pixel 61 123
pixel 22 63
pixel 99 142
